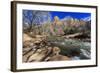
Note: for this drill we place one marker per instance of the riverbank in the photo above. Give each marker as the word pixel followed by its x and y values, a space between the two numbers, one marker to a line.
pixel 42 48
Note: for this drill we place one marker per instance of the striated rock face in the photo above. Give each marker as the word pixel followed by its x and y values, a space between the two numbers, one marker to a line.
pixel 26 37
pixel 55 56
pixel 47 54
pixel 59 58
pixel 39 55
pixel 40 50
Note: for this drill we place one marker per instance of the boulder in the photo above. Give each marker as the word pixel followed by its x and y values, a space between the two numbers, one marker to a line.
pixel 39 55
pixel 59 58
pixel 26 37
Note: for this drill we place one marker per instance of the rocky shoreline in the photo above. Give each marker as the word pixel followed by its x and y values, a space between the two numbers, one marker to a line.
pixel 41 50
pixel 38 49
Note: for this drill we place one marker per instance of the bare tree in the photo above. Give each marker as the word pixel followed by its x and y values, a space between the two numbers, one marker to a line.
pixel 32 18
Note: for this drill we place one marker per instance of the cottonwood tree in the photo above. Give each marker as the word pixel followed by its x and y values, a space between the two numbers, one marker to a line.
pixel 33 18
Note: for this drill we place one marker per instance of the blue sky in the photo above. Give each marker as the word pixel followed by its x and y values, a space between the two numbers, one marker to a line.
pixel 61 15
pixel 77 15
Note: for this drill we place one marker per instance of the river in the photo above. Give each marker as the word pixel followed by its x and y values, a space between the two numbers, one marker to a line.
pixel 74 48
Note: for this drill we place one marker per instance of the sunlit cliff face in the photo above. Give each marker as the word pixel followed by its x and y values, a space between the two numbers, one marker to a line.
pixel 57 21
pixel 56 18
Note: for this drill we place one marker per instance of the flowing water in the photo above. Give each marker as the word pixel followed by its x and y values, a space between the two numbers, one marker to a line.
pixel 74 48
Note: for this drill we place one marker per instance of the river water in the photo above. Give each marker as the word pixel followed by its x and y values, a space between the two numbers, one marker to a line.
pixel 74 48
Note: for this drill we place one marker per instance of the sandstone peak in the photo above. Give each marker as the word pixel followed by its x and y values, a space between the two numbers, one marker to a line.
pixel 56 18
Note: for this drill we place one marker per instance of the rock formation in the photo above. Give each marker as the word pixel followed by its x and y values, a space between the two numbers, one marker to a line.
pixel 40 50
